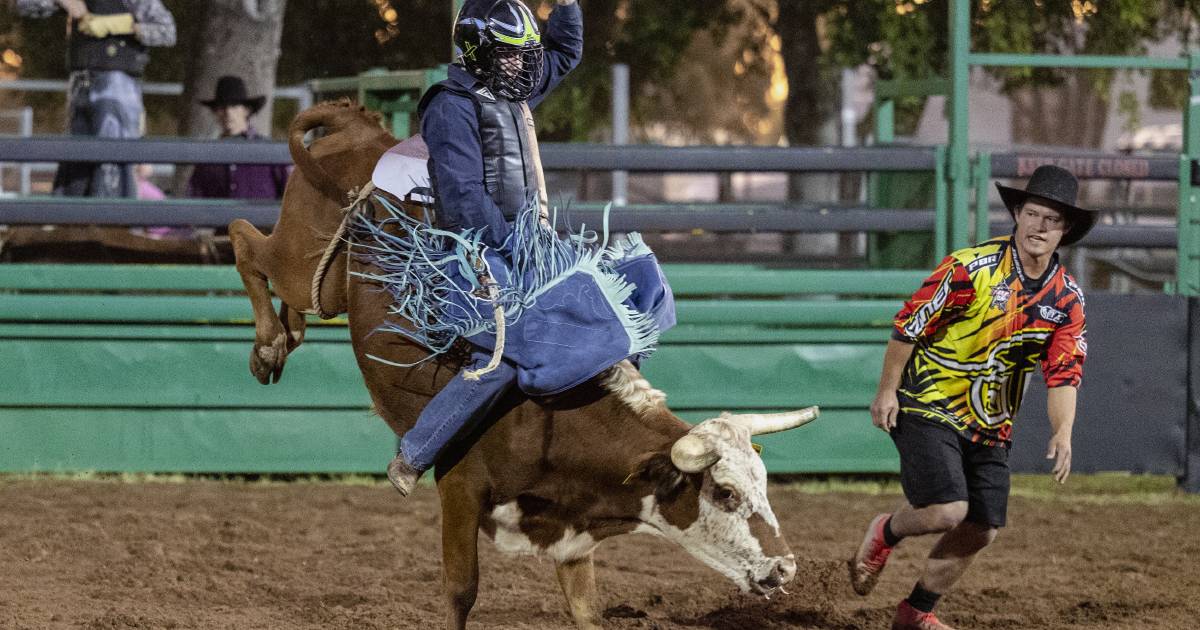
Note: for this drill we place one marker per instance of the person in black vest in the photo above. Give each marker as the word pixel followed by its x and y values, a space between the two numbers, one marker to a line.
pixel 483 170
pixel 106 55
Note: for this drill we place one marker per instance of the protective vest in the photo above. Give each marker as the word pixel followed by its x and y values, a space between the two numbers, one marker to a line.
pixel 509 173
pixel 118 52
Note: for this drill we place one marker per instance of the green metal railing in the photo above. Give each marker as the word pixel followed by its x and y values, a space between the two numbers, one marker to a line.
pixel 961 60
pixel 394 94
pixel 963 173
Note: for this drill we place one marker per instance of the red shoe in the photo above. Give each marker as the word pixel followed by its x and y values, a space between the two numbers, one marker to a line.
pixel 909 618
pixel 868 563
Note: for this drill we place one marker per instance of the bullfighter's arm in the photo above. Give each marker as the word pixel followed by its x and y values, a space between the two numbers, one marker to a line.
pixel 1060 406
pixel 564 48
pixel 450 127
pixel 886 405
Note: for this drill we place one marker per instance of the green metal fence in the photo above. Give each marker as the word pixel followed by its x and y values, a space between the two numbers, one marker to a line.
pixel 144 368
pixel 959 176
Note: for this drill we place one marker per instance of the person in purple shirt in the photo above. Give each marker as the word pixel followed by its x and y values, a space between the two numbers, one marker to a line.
pixel 233 109
pixel 483 172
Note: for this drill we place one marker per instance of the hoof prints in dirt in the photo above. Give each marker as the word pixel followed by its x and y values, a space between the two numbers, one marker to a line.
pixel 1093 612
pixel 624 611
pixel 313 556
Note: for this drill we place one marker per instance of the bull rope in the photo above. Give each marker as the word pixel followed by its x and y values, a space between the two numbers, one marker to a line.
pixel 359 197
pixel 498 351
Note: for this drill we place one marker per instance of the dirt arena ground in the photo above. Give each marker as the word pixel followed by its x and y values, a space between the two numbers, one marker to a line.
pixel 110 554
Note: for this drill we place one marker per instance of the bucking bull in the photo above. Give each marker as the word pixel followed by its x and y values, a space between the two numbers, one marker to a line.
pixel 551 476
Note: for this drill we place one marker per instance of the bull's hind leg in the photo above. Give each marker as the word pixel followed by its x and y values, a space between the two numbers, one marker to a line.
pixel 460 550
pixel 578 581
pixel 270 338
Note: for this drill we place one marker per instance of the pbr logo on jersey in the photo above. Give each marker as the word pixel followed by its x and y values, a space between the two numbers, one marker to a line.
pixel 1051 314
pixel 1000 295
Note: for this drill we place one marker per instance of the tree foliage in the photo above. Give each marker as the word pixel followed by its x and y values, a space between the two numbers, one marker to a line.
pixel 909 39
pixel 651 36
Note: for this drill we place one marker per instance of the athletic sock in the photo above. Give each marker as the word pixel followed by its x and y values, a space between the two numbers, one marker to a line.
pixel 922 599
pixel 889 537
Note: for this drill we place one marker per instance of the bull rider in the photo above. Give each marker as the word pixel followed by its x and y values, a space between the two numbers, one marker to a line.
pixel 483 170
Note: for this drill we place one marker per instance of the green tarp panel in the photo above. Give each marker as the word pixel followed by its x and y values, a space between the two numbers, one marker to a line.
pixel 191 405
pixel 144 368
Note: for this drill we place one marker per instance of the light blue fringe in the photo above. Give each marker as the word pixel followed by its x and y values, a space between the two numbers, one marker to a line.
pixel 413 258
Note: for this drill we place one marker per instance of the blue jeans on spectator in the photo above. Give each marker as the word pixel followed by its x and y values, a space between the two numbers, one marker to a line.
pixel 461 404
pixel 103 104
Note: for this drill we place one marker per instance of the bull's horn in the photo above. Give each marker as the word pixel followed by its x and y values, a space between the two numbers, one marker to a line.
pixel 691 455
pixel 760 423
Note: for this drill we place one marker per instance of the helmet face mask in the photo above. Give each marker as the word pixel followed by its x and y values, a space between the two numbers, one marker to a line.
pixel 499 43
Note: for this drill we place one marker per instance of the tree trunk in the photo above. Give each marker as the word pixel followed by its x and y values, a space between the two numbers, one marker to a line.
pixel 1038 114
pixel 810 115
pixel 236 37
pixel 812 87
pixel 810 112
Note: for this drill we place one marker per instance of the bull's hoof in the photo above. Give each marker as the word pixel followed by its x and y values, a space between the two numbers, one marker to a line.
pixel 266 361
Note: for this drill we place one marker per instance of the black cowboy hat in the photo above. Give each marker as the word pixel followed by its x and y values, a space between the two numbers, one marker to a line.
pixel 232 91
pixel 1058 186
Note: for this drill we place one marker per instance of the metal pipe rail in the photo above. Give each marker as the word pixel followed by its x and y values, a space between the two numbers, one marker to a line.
pixel 1148 236
pixel 133 212
pixel 299 93
pixel 556 156
pixel 643 158
pixel 646 218
pixel 142 150
pixel 1089 165
pixel 649 218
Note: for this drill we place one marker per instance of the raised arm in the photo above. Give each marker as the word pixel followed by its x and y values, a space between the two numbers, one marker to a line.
pixel 563 40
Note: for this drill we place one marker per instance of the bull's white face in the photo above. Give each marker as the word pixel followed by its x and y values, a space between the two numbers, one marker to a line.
pixel 734 530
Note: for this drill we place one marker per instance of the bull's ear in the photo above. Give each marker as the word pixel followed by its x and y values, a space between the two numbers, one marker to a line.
pixel 657 470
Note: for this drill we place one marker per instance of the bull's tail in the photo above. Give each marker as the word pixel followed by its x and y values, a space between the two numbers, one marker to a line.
pixel 305 121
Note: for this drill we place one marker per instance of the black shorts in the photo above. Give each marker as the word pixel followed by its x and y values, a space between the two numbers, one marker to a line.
pixel 937 465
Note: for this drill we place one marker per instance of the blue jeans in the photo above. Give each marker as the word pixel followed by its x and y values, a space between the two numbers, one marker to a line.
pixel 104 104
pixel 460 405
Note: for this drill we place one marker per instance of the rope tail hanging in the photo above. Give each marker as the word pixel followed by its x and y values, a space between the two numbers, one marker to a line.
pixel 498 353
pixel 359 198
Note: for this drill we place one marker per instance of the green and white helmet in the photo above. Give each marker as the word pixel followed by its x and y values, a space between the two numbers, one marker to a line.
pixel 499 43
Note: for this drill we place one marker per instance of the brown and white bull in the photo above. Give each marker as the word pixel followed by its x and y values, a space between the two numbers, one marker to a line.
pixel 552 476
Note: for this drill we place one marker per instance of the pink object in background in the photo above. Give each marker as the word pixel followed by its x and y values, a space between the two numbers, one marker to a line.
pixel 146 190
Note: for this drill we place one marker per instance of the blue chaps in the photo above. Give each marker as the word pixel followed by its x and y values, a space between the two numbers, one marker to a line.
pixel 460 405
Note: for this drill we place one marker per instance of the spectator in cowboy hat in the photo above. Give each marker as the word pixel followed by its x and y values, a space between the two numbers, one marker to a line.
pixel 233 108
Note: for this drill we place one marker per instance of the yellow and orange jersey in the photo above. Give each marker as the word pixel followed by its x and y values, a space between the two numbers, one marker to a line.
pixel 980 326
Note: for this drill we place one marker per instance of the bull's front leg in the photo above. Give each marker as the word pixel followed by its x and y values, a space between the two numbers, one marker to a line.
pixel 270 339
pixel 460 550
pixel 578 581
pixel 294 325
